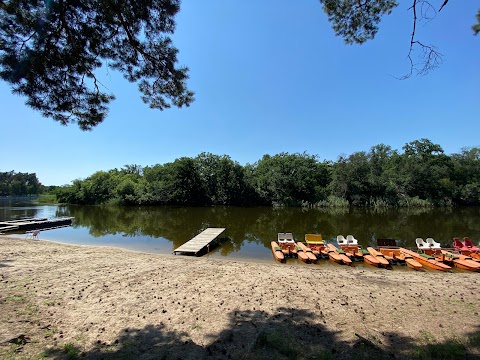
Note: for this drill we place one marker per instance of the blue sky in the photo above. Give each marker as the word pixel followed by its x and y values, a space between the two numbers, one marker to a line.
pixel 270 76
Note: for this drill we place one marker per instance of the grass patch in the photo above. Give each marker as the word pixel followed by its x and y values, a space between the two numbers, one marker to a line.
pixel 49 302
pixel 474 340
pixel 28 310
pixel 196 327
pixel 332 201
pixel 46 199
pixel 50 332
pixel 274 340
pixel 16 298
pixel 451 349
pixel 71 351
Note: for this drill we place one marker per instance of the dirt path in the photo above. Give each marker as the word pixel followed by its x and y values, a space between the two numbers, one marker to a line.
pixel 64 301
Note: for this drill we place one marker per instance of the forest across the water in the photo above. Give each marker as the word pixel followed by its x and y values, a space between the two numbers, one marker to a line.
pixel 420 175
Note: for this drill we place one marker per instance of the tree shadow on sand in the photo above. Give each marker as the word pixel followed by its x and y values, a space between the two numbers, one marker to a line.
pixel 289 334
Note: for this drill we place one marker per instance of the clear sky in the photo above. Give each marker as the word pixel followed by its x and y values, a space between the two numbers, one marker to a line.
pixel 270 76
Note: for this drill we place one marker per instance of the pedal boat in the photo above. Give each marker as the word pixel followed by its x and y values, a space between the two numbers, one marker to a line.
pixel 316 243
pixel 397 255
pixel 383 262
pixel 338 255
pixel 426 260
pixel 461 261
pixel 311 256
pixel 277 252
pixel 290 248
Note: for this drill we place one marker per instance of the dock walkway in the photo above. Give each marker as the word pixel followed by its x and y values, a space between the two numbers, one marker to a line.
pixel 196 244
pixel 32 224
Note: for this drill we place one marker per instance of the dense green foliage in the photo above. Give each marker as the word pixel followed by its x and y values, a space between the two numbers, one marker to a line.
pixel 476 27
pixel 422 175
pixel 356 21
pixel 50 51
pixel 19 184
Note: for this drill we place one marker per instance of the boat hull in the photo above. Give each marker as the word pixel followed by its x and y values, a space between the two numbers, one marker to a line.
pixel 338 255
pixel 277 252
pixel 369 259
pixel 461 261
pixel 311 256
pixel 398 256
pixel 379 256
pixel 413 264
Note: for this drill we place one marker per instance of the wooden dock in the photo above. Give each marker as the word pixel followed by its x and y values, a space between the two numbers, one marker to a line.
pixel 199 242
pixel 32 224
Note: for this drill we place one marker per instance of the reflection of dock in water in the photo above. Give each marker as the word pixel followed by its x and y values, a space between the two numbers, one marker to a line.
pixel 31 224
pixel 199 242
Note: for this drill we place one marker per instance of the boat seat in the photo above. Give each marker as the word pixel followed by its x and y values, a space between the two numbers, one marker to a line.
pixel 422 245
pixel 341 240
pixel 433 244
pixel 314 239
pixel 289 236
pixel 351 240
pixel 469 244
pixel 458 245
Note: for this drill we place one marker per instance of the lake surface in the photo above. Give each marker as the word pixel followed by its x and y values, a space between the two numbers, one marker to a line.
pixel 249 230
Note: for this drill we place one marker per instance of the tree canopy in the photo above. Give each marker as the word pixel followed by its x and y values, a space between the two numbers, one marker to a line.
pixel 50 51
pixel 19 184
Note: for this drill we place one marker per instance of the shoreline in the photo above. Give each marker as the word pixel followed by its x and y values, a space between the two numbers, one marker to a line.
pixel 112 302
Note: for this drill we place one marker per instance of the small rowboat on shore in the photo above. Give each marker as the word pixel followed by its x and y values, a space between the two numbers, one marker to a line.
pixel 277 252
pixel 426 260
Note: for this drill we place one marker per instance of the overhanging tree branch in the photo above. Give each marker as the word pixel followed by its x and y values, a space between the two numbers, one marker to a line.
pixel 430 57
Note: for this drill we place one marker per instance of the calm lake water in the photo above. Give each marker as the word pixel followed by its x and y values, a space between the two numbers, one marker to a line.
pixel 249 230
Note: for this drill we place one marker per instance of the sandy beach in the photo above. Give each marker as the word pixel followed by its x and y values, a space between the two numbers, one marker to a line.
pixel 67 301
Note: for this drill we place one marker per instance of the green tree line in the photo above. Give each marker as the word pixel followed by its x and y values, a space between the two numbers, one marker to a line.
pixel 19 184
pixel 421 175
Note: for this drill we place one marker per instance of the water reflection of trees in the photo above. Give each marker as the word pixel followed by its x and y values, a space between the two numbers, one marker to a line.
pixel 261 225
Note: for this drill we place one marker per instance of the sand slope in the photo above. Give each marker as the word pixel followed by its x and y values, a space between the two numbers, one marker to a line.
pixel 114 303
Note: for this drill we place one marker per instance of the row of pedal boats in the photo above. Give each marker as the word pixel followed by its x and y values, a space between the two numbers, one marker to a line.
pixel 429 254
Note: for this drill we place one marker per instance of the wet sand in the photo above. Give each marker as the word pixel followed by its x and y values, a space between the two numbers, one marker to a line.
pixel 64 301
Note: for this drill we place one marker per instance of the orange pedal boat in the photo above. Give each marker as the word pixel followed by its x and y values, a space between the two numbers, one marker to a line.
pixel 426 260
pixel 289 247
pixel 352 251
pixel 302 255
pixel 369 259
pixel 317 245
pixel 397 255
pixel 379 256
pixel 311 256
pixel 338 255
pixel 277 252
pixel 461 261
